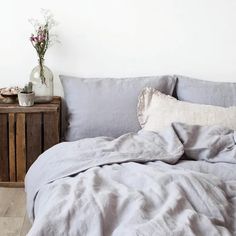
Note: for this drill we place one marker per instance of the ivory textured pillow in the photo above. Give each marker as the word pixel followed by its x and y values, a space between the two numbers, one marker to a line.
pixel 157 111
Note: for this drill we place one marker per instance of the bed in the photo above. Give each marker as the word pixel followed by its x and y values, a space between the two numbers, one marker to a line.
pixel 151 156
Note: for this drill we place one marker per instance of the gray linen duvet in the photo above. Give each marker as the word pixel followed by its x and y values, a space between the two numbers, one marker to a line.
pixel 137 184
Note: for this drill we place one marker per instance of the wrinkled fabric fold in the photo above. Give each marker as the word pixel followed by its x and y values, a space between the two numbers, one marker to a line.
pixel 136 184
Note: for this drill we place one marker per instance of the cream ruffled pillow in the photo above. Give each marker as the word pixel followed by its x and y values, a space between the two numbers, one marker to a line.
pixel 157 111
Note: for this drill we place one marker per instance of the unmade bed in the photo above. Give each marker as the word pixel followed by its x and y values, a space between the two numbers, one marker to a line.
pixel 173 175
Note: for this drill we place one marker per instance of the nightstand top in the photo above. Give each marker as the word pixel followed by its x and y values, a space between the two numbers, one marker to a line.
pixel 53 106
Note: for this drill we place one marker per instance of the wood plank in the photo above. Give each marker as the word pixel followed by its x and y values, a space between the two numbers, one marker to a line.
pixel 11 226
pixel 33 137
pixel 6 195
pixel 20 147
pixel 34 109
pixel 12 163
pixel 17 206
pixel 51 129
pixel 13 217
pixel 4 164
pixel 26 226
pixel 42 107
pixel 58 101
pixel 12 184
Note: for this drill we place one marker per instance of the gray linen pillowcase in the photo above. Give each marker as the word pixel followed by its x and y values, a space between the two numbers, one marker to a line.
pixel 106 106
pixel 205 92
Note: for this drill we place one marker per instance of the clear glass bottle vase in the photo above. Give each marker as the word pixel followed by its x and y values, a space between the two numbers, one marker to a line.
pixel 42 79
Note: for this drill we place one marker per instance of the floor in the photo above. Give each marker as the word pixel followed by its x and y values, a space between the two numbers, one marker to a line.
pixel 13 218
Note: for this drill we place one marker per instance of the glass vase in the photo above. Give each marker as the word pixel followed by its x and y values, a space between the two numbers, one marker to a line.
pixel 42 79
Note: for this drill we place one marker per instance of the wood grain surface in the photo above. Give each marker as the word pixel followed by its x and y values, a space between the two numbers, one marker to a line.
pixel 13 217
pixel 4 162
pixel 25 132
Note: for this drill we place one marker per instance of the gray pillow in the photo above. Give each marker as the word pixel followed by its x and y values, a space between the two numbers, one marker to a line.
pixel 106 106
pixel 205 92
pixel 210 143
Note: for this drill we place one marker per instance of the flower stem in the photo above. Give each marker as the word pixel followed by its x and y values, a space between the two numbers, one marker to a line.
pixel 42 76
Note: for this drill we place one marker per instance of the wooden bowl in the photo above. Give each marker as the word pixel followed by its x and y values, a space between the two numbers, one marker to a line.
pixel 9 98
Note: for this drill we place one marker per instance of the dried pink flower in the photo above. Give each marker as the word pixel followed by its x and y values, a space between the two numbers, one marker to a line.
pixel 42 39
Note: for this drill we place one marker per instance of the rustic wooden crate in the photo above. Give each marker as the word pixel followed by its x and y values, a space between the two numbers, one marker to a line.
pixel 26 132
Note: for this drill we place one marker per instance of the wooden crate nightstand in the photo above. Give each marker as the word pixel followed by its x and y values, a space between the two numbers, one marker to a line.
pixel 25 132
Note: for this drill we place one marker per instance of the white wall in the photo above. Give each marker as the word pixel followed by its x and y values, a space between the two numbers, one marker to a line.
pixel 123 38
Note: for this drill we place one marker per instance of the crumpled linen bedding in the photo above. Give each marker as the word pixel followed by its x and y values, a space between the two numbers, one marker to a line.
pixel 181 181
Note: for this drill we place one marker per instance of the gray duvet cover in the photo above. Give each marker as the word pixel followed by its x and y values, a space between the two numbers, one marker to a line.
pixel 137 184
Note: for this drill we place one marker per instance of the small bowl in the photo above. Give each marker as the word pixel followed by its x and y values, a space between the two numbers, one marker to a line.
pixel 9 98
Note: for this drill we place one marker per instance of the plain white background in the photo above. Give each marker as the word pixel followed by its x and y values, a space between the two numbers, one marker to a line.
pixel 119 38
